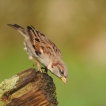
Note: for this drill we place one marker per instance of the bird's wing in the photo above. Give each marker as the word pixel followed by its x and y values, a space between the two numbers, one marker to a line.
pixel 42 44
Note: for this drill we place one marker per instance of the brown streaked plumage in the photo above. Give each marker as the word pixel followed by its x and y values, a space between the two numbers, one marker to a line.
pixel 39 47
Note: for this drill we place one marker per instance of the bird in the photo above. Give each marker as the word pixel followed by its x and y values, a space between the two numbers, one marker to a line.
pixel 41 50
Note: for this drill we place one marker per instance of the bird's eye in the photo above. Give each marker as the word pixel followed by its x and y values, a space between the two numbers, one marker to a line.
pixel 61 72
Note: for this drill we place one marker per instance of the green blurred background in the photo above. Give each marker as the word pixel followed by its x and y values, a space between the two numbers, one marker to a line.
pixel 77 27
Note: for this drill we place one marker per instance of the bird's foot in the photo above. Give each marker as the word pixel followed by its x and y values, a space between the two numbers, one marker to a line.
pixel 45 69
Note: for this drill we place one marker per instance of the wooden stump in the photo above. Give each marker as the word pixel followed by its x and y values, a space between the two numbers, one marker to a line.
pixel 28 88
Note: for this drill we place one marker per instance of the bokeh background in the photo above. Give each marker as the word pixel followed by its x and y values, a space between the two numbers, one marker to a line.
pixel 77 27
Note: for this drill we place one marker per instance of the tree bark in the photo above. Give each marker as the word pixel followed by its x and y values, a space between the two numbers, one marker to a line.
pixel 28 88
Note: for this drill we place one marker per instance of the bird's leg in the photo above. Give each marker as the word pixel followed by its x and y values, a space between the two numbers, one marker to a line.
pixel 35 63
pixel 45 69
pixel 38 65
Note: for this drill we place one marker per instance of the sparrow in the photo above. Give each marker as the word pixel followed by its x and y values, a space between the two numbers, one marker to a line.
pixel 42 49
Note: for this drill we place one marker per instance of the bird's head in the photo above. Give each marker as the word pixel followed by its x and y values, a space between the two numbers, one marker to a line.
pixel 59 69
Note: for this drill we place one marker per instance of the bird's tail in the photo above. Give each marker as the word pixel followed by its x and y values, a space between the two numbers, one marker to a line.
pixel 18 28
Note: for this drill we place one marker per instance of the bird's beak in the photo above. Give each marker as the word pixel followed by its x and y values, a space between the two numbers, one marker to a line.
pixel 64 79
